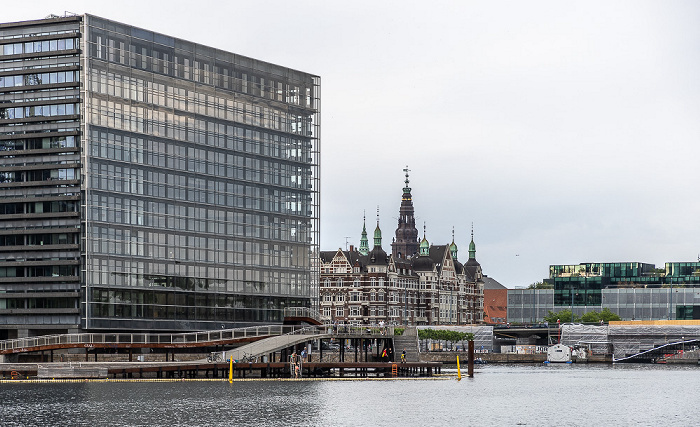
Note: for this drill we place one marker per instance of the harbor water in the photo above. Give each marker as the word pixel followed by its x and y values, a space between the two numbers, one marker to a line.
pixel 534 395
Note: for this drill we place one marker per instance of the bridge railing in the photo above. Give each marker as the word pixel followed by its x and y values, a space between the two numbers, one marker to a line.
pixel 349 329
pixel 146 338
pixel 302 312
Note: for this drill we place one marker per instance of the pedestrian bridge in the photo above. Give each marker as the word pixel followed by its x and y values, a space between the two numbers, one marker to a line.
pixel 145 340
pixel 661 353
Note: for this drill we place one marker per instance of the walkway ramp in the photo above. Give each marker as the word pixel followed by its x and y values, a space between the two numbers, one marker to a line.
pixel 409 342
pixel 660 352
pixel 273 344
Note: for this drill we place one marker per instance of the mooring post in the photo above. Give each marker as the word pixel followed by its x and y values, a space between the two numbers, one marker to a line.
pixel 470 369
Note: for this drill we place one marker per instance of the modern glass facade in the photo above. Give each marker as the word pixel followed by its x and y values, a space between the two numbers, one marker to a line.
pixel 668 303
pixel 632 290
pixel 197 180
pixel 581 284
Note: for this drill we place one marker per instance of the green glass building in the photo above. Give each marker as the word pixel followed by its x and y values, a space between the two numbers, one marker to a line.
pixel 633 290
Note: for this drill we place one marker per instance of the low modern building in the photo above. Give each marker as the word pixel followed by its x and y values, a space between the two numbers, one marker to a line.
pixel 151 183
pixel 632 290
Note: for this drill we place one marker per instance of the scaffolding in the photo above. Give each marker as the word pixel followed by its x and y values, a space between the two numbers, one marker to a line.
pixel 626 340
pixel 594 337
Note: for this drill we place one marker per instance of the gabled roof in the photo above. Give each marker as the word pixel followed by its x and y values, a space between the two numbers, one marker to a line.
pixel 440 254
pixel 490 283
pixel 422 263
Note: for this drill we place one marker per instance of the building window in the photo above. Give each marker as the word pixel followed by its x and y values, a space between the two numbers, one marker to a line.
pixel 339 312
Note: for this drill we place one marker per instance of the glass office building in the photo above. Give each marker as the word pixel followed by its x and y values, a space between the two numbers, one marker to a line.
pixel 632 290
pixel 151 183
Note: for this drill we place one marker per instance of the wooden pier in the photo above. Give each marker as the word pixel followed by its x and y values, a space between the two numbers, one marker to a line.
pixel 241 369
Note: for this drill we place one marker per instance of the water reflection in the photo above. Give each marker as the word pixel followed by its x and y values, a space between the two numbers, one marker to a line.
pixel 499 395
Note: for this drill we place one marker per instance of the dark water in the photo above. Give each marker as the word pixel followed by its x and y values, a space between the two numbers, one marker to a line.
pixel 567 395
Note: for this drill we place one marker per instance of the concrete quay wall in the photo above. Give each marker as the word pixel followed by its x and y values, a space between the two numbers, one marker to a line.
pixel 450 357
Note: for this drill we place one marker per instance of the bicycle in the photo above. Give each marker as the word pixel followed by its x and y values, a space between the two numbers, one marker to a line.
pixel 214 356
pixel 249 358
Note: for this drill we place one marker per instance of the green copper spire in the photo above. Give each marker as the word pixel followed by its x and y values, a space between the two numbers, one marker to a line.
pixel 424 245
pixel 453 246
pixel 472 246
pixel 364 244
pixel 377 233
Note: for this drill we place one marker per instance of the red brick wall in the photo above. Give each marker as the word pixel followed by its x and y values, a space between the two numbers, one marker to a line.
pixel 495 305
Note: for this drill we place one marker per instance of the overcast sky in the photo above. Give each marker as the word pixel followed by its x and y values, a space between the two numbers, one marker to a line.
pixel 567 132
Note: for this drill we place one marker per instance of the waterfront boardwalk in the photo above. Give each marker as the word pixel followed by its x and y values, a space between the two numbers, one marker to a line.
pixel 221 370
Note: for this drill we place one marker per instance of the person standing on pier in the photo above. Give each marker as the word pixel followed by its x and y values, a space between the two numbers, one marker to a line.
pixel 294 364
pixel 403 356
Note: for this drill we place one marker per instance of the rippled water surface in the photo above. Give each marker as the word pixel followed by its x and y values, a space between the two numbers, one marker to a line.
pixel 498 395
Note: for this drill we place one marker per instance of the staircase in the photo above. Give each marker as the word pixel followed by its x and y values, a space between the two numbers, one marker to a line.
pixel 409 342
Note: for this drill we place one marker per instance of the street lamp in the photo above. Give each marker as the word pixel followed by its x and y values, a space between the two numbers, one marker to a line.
pixel 405 307
pixel 572 303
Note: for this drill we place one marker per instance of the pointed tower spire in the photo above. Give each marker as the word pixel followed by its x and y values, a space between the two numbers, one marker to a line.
pixel 424 244
pixel 453 245
pixel 364 244
pixel 377 233
pixel 405 244
pixel 472 246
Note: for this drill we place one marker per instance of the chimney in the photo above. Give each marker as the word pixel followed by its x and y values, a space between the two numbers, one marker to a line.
pixel 352 248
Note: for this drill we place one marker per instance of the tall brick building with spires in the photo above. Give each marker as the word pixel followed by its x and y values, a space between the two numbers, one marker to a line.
pixel 417 284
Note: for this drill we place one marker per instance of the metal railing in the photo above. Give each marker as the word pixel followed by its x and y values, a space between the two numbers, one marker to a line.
pixel 273 344
pixel 302 312
pixel 102 339
pixel 348 329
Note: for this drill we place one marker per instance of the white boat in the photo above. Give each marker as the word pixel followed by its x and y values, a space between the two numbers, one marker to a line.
pixel 559 353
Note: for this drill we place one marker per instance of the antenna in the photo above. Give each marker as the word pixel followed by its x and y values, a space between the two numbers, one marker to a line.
pixel 346 242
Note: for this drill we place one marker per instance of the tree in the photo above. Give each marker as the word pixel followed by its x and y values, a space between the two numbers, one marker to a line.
pixel 594 317
pixel 591 317
pixel 609 316
pixel 563 316
pixel 540 285
pixel 444 335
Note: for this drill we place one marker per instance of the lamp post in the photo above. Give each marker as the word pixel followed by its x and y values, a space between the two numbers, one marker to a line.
pixel 405 307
